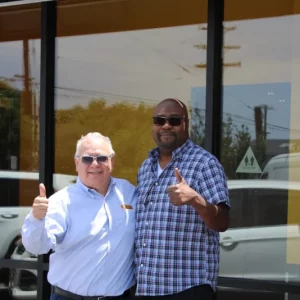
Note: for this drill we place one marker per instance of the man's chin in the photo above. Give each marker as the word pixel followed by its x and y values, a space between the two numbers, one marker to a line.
pixel 167 145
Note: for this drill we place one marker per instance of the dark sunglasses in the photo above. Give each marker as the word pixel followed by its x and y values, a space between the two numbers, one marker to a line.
pixel 173 121
pixel 88 159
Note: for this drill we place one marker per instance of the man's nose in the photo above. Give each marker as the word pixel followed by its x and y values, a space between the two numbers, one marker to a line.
pixel 95 162
pixel 166 125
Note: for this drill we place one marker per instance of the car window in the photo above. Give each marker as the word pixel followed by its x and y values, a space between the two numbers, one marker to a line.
pixel 241 212
pixel 264 175
pixel 252 207
pixel 20 188
pixel 235 211
pixel 269 207
pixel 17 192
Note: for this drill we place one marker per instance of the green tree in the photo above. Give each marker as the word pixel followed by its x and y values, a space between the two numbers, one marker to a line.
pixel 228 156
pixel 197 126
pixel 235 141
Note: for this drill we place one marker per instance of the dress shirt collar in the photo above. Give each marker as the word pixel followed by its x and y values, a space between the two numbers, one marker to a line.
pixel 154 154
pixel 90 191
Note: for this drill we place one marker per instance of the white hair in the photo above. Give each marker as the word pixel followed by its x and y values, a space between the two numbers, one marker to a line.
pixel 94 135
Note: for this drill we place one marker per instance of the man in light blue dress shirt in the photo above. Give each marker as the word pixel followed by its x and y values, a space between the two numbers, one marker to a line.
pixel 89 226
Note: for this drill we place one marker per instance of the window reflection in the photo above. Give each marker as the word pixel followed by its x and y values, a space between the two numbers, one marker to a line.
pixel 258 229
pixel 18 283
pixel 19 139
pixel 111 82
pixel 19 102
pixel 260 149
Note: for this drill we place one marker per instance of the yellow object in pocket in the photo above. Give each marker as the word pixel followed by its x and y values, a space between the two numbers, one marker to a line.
pixel 126 206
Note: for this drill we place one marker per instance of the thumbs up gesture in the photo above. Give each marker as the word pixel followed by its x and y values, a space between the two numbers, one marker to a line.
pixel 180 193
pixel 40 204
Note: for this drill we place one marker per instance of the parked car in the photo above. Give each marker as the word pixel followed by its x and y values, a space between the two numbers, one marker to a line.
pixel 22 282
pixel 18 190
pixel 255 245
pixel 282 167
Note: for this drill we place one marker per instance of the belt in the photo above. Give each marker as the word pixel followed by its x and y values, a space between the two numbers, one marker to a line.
pixel 69 295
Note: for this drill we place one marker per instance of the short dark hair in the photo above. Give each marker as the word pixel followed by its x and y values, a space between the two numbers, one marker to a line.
pixel 179 102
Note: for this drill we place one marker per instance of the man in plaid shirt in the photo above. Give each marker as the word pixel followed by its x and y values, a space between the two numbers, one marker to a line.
pixel 182 206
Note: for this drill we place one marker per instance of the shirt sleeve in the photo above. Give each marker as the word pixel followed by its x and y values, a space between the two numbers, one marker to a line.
pixel 213 186
pixel 40 236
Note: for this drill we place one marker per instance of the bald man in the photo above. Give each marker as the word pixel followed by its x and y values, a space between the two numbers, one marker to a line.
pixel 182 206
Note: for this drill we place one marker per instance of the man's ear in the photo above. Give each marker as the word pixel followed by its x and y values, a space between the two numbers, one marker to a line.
pixel 76 160
pixel 187 124
pixel 113 162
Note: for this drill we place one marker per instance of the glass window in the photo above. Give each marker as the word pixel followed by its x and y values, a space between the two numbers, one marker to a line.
pixel 269 207
pixel 261 140
pixel 112 71
pixel 19 138
pixel 18 283
pixel 236 201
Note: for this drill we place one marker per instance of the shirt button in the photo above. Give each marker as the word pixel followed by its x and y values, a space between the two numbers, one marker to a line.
pixel 156 183
pixel 151 203
pixel 144 244
pixel 142 265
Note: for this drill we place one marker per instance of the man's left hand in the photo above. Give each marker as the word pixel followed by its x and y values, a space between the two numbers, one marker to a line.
pixel 181 193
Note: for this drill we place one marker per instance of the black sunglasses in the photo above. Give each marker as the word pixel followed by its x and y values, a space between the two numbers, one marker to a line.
pixel 173 121
pixel 88 159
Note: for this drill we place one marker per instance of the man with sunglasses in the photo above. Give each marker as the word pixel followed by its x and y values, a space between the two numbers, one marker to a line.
pixel 90 226
pixel 182 206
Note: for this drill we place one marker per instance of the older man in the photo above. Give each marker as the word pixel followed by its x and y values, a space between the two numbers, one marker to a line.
pixel 89 225
pixel 182 205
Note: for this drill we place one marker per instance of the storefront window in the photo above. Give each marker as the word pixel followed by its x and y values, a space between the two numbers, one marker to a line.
pixel 19 139
pixel 112 71
pixel 260 142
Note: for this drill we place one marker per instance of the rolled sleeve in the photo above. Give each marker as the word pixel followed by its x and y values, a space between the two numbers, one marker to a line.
pixel 213 186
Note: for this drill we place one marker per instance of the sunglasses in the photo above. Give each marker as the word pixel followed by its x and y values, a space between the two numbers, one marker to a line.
pixel 173 121
pixel 101 159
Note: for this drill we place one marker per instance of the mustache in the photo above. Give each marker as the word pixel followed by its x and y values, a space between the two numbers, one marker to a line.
pixel 167 133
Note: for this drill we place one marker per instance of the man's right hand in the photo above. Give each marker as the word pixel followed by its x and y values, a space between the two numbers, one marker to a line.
pixel 40 204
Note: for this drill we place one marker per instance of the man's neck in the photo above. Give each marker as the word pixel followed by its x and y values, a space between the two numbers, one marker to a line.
pixel 103 189
pixel 164 159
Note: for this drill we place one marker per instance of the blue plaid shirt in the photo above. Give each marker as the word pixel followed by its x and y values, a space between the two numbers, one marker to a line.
pixel 174 248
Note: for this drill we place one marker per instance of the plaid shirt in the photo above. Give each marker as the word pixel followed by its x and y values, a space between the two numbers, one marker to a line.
pixel 174 248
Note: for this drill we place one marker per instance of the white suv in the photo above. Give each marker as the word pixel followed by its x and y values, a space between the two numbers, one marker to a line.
pixel 20 188
pixel 260 241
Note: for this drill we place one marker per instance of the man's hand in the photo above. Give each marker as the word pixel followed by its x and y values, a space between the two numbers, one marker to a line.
pixel 216 217
pixel 181 193
pixel 40 204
